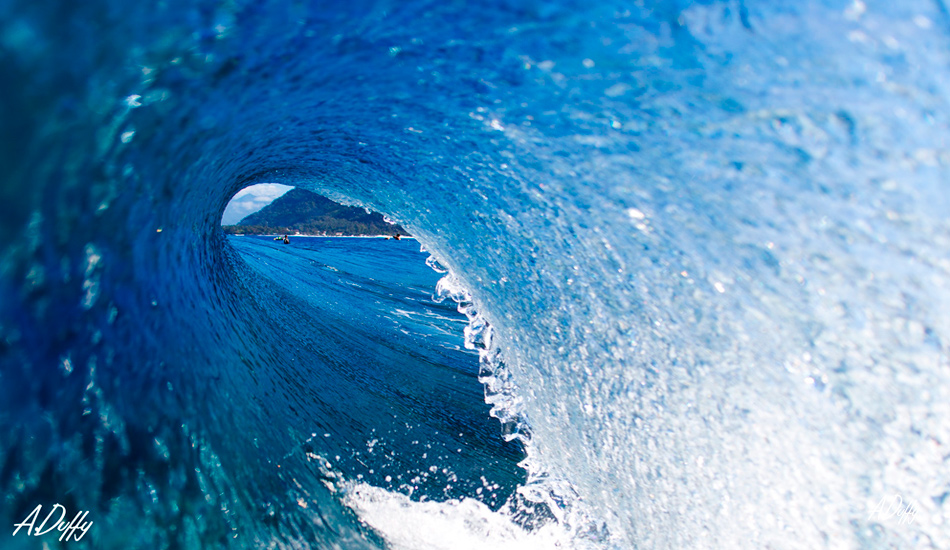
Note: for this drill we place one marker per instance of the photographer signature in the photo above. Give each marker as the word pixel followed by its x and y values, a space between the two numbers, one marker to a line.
pixel 74 529
pixel 892 506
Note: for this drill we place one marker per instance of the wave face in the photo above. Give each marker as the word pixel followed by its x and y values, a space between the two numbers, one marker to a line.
pixel 710 240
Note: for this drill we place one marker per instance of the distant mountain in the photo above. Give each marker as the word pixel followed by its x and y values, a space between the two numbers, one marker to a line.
pixel 311 214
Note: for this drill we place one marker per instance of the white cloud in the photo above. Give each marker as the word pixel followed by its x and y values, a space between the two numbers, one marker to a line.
pixel 250 200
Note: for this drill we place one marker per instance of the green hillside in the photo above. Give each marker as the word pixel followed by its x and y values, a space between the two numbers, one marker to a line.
pixel 300 211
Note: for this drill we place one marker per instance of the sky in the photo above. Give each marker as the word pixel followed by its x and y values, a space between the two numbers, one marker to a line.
pixel 250 200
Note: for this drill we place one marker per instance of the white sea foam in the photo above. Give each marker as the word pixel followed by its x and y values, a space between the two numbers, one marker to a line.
pixel 463 524
pixel 548 502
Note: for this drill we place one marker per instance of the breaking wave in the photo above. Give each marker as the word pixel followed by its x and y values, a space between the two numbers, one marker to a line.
pixel 701 251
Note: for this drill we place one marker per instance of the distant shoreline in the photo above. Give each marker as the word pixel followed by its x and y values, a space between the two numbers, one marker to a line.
pixel 323 236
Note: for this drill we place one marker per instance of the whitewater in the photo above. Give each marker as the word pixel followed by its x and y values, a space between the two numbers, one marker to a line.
pixel 684 284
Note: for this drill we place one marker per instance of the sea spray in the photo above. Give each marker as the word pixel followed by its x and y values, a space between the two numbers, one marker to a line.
pixel 545 498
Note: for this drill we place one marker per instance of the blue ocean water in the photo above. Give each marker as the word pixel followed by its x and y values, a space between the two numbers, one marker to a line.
pixel 700 250
pixel 380 364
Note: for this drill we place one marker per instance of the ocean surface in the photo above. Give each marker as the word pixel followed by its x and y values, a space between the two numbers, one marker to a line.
pixel 685 281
